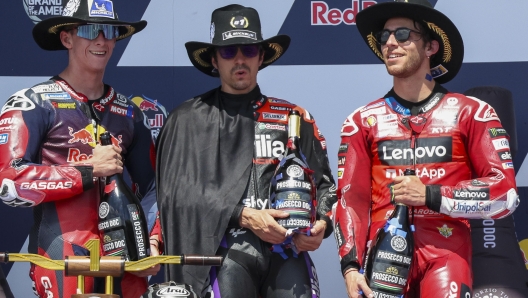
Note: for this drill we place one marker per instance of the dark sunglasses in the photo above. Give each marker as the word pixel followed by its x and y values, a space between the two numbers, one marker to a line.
pixel 401 35
pixel 229 52
pixel 91 31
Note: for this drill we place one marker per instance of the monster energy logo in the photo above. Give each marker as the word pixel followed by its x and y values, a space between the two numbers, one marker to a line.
pixel 497 132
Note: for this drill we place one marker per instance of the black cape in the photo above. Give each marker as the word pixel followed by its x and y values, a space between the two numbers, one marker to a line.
pixel 204 158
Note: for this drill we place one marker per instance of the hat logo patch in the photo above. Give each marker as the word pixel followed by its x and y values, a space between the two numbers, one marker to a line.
pixel 71 8
pixel 239 22
pixel 212 31
pixel 239 34
pixel 102 8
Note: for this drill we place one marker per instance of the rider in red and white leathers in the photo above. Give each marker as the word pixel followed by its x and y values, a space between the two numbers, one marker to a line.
pixel 461 155
pixel 47 136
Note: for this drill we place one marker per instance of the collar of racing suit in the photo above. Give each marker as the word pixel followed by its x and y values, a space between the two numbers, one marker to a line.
pixel 417 107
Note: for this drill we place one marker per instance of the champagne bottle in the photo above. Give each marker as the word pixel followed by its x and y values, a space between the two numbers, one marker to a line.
pixel 292 186
pixel 122 223
pixel 390 255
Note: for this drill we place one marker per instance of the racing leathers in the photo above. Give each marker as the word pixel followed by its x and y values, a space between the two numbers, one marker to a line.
pixel 43 130
pixel 250 268
pixel 461 155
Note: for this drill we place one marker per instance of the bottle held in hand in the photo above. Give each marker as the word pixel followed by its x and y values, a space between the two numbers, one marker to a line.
pixel 292 186
pixel 389 257
pixel 122 224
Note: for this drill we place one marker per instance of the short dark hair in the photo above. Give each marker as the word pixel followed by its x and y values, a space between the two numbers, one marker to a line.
pixel 424 31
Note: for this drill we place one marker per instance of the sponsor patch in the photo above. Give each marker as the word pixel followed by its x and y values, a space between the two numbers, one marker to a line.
pixel 239 22
pixel 476 182
pixel 507 165
pixel 371 121
pixel 445 231
pixel 4 137
pixel 64 105
pixel 375 111
pixel 239 34
pixel 438 71
pixel 481 194
pixel 497 132
pixel 55 96
pixel 505 155
pixel 343 148
pixel 277 100
pixel 428 150
pixel 375 105
pixel 102 9
pixel 452 101
pixel 501 144
pixel 340 173
pixel 485 112
pixel 339 235
pixel 341 160
pixel 273 116
pixel 47 88
pixel 279 108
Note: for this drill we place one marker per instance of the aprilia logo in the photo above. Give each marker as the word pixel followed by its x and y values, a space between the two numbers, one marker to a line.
pixel 428 150
pixel 265 147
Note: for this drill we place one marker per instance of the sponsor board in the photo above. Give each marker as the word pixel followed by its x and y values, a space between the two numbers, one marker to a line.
pixel 322 14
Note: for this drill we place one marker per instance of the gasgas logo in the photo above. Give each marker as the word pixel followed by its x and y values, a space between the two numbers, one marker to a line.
pixel 322 14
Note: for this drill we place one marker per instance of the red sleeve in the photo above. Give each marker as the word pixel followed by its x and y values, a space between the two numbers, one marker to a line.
pixel 156 230
pixel 492 193
pixel 25 182
pixel 352 216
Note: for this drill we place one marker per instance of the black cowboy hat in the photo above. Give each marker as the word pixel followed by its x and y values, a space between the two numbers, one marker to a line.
pixel 446 63
pixel 47 32
pixel 235 25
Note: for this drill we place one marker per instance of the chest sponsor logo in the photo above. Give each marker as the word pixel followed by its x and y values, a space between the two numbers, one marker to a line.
pixel 83 135
pixel 278 108
pixel 272 126
pixel 470 194
pixel 375 105
pixel 265 147
pixel 505 155
pixel 64 105
pixel 56 96
pixel 75 155
pixel 452 101
pixel 18 102
pixel 497 132
pixel 441 129
pixel 375 111
pixel 4 137
pixel 501 144
pixel 47 88
pixel 445 117
pixel 273 116
pixel 5 121
pixel 428 150
pixel 340 173
pixel 276 100
pixel 127 112
pixel 421 172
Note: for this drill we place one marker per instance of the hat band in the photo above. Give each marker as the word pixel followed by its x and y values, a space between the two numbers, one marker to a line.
pixel 55 28
pixel 278 52
pixel 448 52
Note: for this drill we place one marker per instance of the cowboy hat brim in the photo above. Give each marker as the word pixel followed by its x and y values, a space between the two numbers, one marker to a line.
pixel 46 33
pixel 200 52
pixel 446 63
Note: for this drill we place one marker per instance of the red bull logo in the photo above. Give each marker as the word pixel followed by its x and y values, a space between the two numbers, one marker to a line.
pixel 145 103
pixel 324 15
pixel 84 135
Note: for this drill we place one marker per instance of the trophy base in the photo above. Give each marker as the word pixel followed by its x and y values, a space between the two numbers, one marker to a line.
pixel 95 296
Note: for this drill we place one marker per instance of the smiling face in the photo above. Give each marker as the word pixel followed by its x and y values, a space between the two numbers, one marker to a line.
pixel 88 55
pixel 239 74
pixel 405 59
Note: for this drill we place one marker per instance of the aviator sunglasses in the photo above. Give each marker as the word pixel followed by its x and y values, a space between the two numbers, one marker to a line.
pixel 91 31
pixel 401 35
pixel 229 52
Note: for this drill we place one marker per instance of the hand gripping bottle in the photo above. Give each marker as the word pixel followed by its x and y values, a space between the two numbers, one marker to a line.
pixel 122 224
pixel 390 255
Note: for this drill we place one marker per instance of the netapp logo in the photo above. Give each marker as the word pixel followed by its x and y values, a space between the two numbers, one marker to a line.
pixel 464 194
pixel 428 150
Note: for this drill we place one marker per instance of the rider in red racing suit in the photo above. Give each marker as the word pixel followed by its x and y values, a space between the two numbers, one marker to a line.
pixel 462 156
pixel 43 131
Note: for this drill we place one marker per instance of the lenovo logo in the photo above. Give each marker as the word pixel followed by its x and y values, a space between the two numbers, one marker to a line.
pixel 428 150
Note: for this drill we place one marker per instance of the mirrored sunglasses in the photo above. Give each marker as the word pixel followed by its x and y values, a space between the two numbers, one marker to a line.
pixel 401 35
pixel 91 31
pixel 229 52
